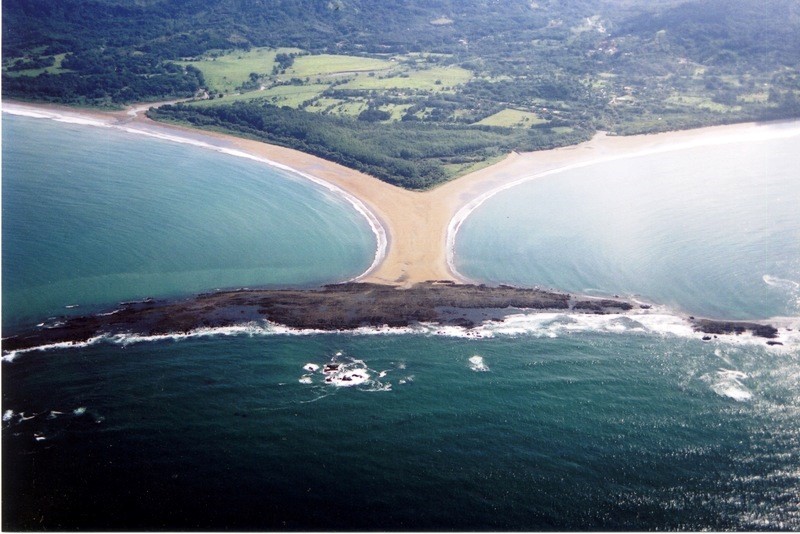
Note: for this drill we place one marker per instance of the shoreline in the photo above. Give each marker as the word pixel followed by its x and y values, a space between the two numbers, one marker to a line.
pixel 415 231
pixel 133 122
pixel 434 308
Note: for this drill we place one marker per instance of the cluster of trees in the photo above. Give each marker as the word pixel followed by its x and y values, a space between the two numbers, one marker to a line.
pixel 411 155
pixel 585 64
pixel 108 78
pixel 515 38
pixel 37 62
pixel 103 89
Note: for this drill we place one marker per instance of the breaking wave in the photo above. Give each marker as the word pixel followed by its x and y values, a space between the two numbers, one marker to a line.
pixel 547 325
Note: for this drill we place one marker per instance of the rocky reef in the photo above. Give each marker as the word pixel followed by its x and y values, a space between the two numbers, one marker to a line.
pixel 340 307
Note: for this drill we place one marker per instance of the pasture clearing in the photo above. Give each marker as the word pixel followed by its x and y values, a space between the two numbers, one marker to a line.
pixel 512 118
pixel 224 73
pixel 435 79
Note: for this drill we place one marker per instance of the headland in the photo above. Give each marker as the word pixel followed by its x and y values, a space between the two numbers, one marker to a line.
pixel 339 307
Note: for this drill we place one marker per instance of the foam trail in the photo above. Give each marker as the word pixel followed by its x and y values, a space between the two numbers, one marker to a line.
pixel 783 283
pixel 374 222
pixel 12 355
pixel 534 324
pixel 58 116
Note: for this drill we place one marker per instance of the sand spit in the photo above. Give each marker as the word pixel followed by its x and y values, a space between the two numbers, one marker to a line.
pixel 416 231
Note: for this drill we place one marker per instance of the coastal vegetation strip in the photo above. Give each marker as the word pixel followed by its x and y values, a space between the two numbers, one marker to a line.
pixel 413 155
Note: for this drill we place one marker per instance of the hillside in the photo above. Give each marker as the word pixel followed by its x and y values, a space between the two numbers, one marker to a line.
pixel 458 82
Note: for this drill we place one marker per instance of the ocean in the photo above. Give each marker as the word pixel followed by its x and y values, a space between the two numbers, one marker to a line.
pixel 545 422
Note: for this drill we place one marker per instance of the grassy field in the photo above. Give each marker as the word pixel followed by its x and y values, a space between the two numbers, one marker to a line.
pixel 304 82
pixel 293 95
pixel 328 65
pixel 434 79
pixel 397 110
pixel 513 118
pixel 700 102
pixel 454 170
pixel 761 97
pixel 226 72
pixel 55 68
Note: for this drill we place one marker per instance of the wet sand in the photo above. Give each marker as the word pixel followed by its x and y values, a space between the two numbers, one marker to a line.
pixel 420 227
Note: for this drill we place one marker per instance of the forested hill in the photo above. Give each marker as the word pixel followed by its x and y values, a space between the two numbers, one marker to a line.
pixel 503 74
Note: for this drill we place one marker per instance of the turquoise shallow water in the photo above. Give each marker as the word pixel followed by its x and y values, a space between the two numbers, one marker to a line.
pixel 548 423
pixel 93 217
pixel 712 230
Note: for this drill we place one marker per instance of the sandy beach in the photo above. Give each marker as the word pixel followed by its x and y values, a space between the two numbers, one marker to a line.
pixel 419 227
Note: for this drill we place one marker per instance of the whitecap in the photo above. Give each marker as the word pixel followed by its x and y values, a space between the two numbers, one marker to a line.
pixel 728 383
pixel 8 415
pixel 311 367
pixel 477 364
pixel 734 392
pixel 547 324
pixel 348 378
pixel 306 379
pixel 79 411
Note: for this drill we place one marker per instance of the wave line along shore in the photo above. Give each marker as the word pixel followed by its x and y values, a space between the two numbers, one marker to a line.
pixel 416 231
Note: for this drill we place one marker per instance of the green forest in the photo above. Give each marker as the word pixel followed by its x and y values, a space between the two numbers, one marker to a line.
pixel 413 92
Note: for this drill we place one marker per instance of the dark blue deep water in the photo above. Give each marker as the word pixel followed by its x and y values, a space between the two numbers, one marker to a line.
pixel 546 423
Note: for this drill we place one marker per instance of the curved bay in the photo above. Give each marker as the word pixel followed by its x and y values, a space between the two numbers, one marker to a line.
pixel 712 231
pixel 92 216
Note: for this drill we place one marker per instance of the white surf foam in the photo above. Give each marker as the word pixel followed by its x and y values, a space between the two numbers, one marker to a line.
pixel 54 115
pixel 14 354
pixel 550 324
pixel 728 383
pixel 342 371
pixel 783 283
pixel 477 364
pixel 790 287
pixel 8 415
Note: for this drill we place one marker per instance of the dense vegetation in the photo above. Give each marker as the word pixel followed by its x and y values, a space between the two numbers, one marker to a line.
pixel 416 91
pixel 412 155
